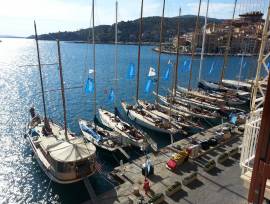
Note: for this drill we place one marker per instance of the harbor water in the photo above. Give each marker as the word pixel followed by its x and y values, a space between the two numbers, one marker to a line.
pixel 21 179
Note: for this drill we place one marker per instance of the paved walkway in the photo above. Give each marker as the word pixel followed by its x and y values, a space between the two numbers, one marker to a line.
pixel 220 185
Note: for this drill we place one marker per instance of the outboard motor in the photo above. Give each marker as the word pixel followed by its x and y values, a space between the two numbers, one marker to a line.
pixel 32 112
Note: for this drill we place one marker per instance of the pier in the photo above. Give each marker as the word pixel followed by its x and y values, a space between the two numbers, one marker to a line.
pixel 222 181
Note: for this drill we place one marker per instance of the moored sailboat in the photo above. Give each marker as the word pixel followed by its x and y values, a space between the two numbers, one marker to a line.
pixel 133 136
pixel 64 157
pixel 103 137
pixel 136 112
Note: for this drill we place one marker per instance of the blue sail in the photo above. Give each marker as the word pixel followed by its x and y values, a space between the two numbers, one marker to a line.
pixel 131 71
pixel 245 64
pixel 148 85
pixel 186 66
pixel 212 67
pixel 111 96
pixel 167 73
pixel 89 85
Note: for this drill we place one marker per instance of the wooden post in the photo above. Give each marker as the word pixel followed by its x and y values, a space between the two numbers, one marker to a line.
pixel 62 88
pixel 139 53
pixel 159 53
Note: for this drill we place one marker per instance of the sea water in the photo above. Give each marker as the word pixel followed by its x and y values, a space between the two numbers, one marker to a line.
pixel 21 178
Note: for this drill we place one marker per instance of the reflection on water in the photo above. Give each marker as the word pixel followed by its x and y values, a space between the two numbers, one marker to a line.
pixel 21 179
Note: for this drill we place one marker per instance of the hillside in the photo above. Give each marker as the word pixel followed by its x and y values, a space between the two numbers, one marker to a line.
pixel 128 30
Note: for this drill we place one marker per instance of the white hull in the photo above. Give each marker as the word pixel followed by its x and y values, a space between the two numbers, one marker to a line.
pixel 46 168
pixel 53 149
pixel 184 109
pixel 94 141
pixel 139 119
pixel 108 120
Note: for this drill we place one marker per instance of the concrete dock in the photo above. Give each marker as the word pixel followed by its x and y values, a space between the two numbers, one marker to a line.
pixel 222 184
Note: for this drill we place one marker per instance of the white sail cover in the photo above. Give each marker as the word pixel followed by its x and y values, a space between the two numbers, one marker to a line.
pixel 72 151
pixel 152 72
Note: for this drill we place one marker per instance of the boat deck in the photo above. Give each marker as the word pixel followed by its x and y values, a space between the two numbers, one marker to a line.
pixel 221 185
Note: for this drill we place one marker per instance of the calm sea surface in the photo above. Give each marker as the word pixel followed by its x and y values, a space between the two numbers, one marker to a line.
pixel 21 179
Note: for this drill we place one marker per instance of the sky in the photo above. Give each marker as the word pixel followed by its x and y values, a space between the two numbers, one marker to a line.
pixel 17 16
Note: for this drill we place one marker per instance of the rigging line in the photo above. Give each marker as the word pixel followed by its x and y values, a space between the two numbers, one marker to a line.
pixel 59 89
pixel 35 65
pixel 193 44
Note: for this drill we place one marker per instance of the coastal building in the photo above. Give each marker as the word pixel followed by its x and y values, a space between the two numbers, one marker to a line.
pixel 246 35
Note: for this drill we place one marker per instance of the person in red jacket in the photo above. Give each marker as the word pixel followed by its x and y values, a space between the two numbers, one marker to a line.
pixel 146 186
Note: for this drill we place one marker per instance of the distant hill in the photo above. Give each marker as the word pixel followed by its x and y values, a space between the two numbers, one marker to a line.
pixel 128 30
pixel 9 36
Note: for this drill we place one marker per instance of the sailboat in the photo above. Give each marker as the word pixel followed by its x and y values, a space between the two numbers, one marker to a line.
pixel 64 157
pixel 130 135
pixel 183 125
pixel 233 96
pixel 103 137
pixel 137 113
pixel 194 111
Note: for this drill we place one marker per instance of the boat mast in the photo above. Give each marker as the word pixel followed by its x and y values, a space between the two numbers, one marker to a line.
pixel 177 55
pixel 139 52
pixel 62 88
pixel 94 56
pixel 228 44
pixel 116 50
pixel 203 42
pixel 47 125
pixel 193 45
pixel 159 53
